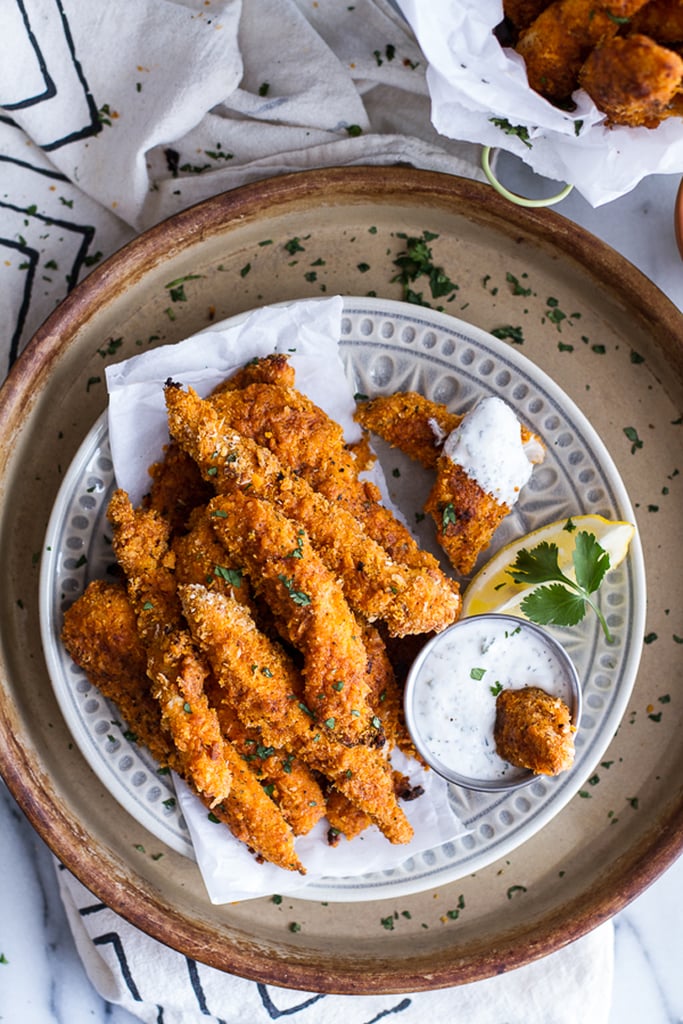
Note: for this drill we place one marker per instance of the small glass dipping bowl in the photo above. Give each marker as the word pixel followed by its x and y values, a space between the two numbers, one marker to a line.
pixel 451 689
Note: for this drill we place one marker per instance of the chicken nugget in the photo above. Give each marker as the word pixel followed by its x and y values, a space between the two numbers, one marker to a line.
pixel 533 730
pixel 633 80
pixel 662 20
pixel 557 43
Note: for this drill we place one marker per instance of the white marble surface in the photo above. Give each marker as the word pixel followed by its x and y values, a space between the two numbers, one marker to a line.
pixel 42 979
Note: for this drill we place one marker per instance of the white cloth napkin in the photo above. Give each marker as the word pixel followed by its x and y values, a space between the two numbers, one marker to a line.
pixel 116 115
pixel 571 986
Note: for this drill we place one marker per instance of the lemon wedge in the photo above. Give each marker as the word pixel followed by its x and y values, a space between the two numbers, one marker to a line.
pixel 492 589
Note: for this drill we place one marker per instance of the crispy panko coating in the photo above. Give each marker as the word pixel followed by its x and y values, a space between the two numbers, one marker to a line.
pixel 285 421
pixel 273 369
pixel 309 609
pixel 261 683
pixel 633 80
pixel 177 488
pixel 100 633
pixel 313 446
pixel 284 777
pixel 522 12
pixel 408 599
pixel 465 516
pixel 410 422
pixel 534 730
pixel 178 675
pixel 255 820
pixel 557 43
pixel 662 20
pixel 201 558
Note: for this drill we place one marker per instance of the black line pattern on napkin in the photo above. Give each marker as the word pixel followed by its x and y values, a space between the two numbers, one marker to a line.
pixel 274 1012
pixel 31 257
pixel 50 88
pixel 113 939
pixel 29 215
pixel 91 124
pixel 196 984
pixel 46 171
pixel 93 908
pixel 399 1008
pixel 272 1009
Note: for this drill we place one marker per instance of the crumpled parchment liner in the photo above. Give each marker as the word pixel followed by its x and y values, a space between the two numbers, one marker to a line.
pixel 472 78
pixel 308 331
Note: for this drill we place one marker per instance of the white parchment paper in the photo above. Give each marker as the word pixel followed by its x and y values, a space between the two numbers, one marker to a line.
pixel 472 79
pixel 309 332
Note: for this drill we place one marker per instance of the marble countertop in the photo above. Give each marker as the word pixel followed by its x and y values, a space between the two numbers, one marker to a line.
pixel 43 979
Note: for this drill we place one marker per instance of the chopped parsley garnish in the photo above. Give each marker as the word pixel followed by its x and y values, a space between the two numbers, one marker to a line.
pixel 231 576
pixel 509 333
pixel 632 434
pixel 297 596
pixel 519 130
pixel 416 262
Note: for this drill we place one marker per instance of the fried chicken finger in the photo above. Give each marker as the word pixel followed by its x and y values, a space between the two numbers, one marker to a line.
pixel 262 686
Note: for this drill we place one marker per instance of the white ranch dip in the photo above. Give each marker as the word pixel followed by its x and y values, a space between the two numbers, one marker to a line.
pixel 487 444
pixel 452 688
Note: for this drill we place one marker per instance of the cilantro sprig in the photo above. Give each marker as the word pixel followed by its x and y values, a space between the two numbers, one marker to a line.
pixel 560 600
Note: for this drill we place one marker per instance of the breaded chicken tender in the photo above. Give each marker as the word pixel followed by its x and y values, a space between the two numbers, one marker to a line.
pixel 101 636
pixel 533 730
pixel 408 599
pixel 633 80
pixel 409 421
pixel 179 675
pixel 309 609
pixel 307 441
pixel 465 514
pixel 261 682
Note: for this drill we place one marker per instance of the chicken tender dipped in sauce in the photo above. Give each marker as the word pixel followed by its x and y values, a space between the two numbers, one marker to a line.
pixel 534 730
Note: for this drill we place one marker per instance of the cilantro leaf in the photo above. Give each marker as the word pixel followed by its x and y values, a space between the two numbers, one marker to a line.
pixel 540 565
pixel 554 605
pixel 563 602
pixel 591 562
